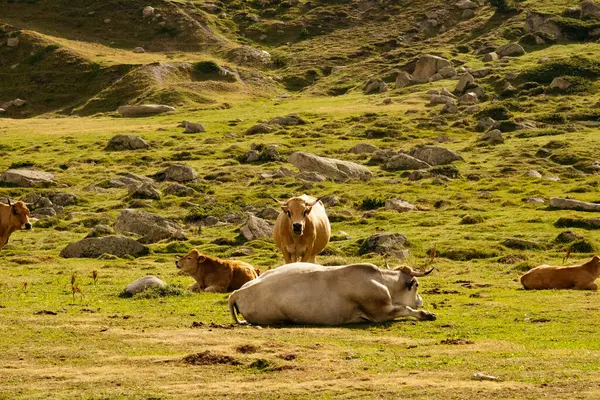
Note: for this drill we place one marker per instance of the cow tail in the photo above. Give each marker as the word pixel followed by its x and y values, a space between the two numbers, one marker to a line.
pixel 234 310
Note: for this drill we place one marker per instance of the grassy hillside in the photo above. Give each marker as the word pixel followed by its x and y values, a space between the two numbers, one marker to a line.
pixel 74 70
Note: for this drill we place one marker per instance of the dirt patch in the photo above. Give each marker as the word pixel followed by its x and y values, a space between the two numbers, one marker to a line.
pixel 246 349
pixel 212 325
pixel 539 320
pixel 208 358
pixel 512 259
pixel 457 341
pixel 439 291
pixel 287 357
pixel 45 312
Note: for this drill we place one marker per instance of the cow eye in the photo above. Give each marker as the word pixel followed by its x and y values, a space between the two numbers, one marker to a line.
pixel 15 212
pixel 289 213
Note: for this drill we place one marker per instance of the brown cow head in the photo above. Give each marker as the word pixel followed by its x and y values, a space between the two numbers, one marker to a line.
pixel 296 210
pixel 190 263
pixel 19 215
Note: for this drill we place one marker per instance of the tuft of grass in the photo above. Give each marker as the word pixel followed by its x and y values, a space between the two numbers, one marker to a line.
pixel 156 292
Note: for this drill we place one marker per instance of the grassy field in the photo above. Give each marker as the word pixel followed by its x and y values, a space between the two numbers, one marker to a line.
pixel 74 68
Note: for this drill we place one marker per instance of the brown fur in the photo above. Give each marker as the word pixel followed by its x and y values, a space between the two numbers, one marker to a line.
pixel 580 277
pixel 213 274
pixel 13 217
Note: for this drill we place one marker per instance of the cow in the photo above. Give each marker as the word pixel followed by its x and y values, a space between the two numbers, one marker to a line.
pixel 580 277
pixel 307 293
pixel 213 274
pixel 302 229
pixel 12 217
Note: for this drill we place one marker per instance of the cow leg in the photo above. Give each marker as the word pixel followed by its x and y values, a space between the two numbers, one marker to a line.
pixel 218 289
pixel 591 286
pixel 390 312
pixel 194 287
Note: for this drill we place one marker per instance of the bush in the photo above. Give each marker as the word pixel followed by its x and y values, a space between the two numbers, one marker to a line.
pixel 371 203
pixel 206 67
pixel 503 6
pixel 497 112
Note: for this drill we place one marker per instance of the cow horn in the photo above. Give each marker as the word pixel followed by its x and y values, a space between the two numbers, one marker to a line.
pixel 387 266
pixel 315 202
pixel 409 271
pixel 281 203
pixel 9 203
pixel 415 273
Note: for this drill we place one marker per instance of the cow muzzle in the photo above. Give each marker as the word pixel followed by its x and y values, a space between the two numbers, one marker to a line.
pixel 297 229
pixel 27 226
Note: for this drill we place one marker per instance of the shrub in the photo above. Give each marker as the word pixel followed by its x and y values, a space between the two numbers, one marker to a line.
pixel 503 6
pixel 206 67
pixel 497 112
pixel 371 203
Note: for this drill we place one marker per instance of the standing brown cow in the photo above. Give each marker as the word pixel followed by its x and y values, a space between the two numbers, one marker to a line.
pixel 12 217
pixel 302 230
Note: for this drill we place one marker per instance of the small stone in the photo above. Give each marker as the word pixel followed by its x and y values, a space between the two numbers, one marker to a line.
pixel 139 50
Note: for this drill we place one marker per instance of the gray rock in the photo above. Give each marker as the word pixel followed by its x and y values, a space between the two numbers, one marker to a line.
pixel 27 178
pixel 126 179
pixel 560 83
pixel 535 200
pixel 384 243
pixel 330 167
pixel 510 50
pixel 447 72
pixel 62 199
pixel 403 79
pixel 256 228
pixel 249 56
pixel 494 136
pixel 252 156
pixel 193 127
pixel 126 142
pixel 436 77
pixel 269 213
pixel 374 86
pixel 520 244
pixel 100 230
pixel 43 212
pixel 144 191
pixel 533 174
pixel 467 14
pixel 466 4
pixel 270 153
pixel 481 72
pixel 179 190
pixel 151 227
pixel 419 174
pixel 399 205
pixel 388 100
pixel 449 108
pixel 147 12
pixel 446 92
pixel 427 65
pixel 465 81
pixel 484 124
pixel 488 57
pixel 311 177
pixel 142 284
pixel 178 173
pixel 144 110
pixel 440 99
pixel 12 42
pixel 468 98
pixel 435 155
pixel 259 128
pixel 139 50
pixel 330 200
pixel 570 204
pixel 288 120
pixel 589 9
pixel 363 148
pixel 119 246
pixel 403 162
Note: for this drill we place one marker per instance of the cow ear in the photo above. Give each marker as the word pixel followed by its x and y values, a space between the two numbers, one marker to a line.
pixel 201 259
pixel 307 210
pixel 284 208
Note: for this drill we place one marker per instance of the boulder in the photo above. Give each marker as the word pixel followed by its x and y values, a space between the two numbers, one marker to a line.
pixel 94 247
pixel 419 174
pixel 403 162
pixel 559 83
pixel 440 99
pixel 399 205
pixel 27 178
pixel 465 82
pixel 428 65
pixel 259 128
pixel 126 179
pixel 180 190
pixel 488 57
pixel 329 167
pixel 403 79
pixel 468 98
pixel 256 228
pixel 447 72
pixel 435 155
pixel 249 56
pixel 436 77
pixel 270 213
pixel 494 136
pixel 288 120
pixel 178 173
pixel 363 148
pixel 144 110
pixel 374 86
pixel 449 108
pixel 467 14
pixel 193 127
pixel 142 284
pixel 589 9
pixel 151 227
pixel 510 50
pixel 144 191
pixel 446 92
pixel 100 230
pixel 147 12
pixel 126 142
pixel 533 174
pixel 139 50
pixel 484 124
pixel 43 212
pixel 385 243
pixel 12 42
pixel 570 204
pixel 252 156
pixel 543 23
pixel 466 4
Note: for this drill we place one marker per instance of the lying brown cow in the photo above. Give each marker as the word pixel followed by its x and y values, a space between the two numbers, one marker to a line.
pixel 579 277
pixel 12 217
pixel 213 274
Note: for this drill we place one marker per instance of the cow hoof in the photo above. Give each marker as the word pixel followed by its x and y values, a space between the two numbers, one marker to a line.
pixel 428 316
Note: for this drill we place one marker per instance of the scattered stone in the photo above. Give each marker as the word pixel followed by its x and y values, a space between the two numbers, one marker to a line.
pixel 387 101
pixel 465 81
pixel 440 99
pixel 144 191
pixel 535 200
pixel 12 42
pixel 374 86
pixel 447 73
pixel 142 284
pixel 468 98
pixel 147 12
pixel 126 179
pixel 484 124
pixel 151 227
pixel 330 167
pixel 567 237
pixel 100 230
pixel 94 247
pixel 193 127
pixel 259 128
pixel 560 83
pixel 435 77
pixel 489 57
pixel 269 213
pixel 449 108
pixel 435 155
pixel 311 177
pixel 419 174
pixel 403 162
pixel 467 14
pixel 144 110
pixel 27 178
pixel 385 243
pixel 139 50
pixel 399 205
pixel 249 56
pixel 495 136
pixel 178 173
pixel 403 79
pixel 126 142
pixel 428 65
pixel 466 4
pixel 533 174
pixel 570 204
pixel 510 50
pixel 288 120
pixel 43 212
pixel 589 9
pixel 256 228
